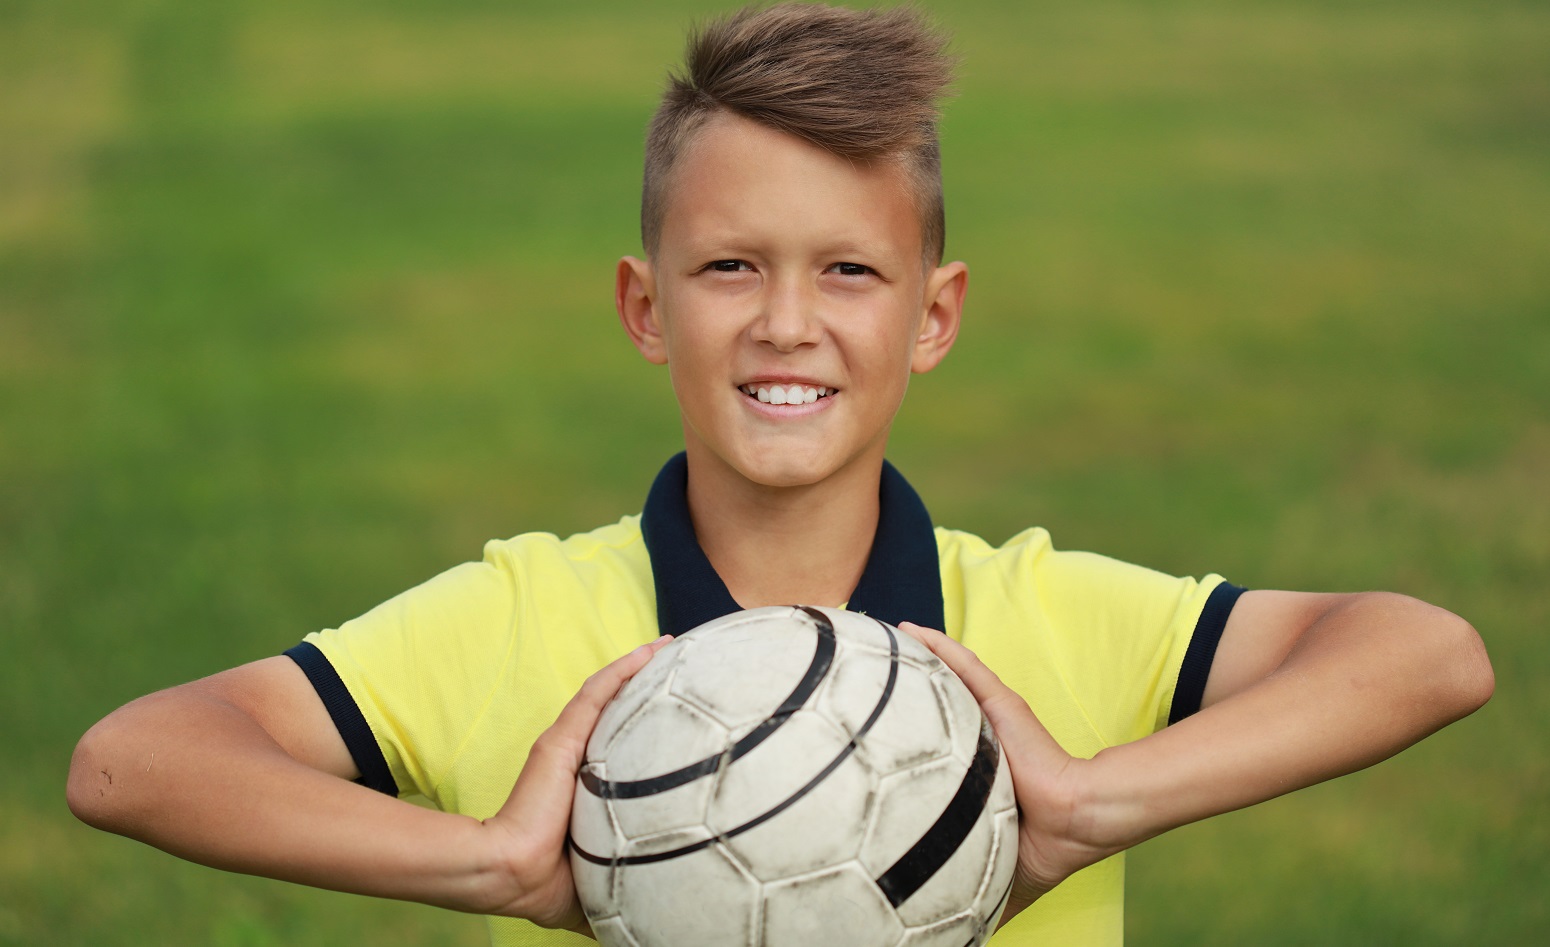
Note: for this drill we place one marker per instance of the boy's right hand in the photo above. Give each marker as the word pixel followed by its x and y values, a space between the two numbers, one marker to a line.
pixel 1051 844
pixel 528 833
pixel 244 771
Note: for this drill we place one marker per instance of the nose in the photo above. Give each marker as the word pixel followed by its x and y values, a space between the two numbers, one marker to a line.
pixel 789 318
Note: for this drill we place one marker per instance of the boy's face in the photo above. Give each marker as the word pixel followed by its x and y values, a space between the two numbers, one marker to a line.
pixel 784 268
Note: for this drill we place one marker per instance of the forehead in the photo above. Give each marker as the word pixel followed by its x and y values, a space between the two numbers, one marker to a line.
pixel 741 183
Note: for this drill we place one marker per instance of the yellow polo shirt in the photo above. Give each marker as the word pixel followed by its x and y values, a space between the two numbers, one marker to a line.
pixel 441 691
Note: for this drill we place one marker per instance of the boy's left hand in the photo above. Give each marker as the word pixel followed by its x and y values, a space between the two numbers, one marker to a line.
pixel 1304 687
pixel 530 829
pixel 1052 839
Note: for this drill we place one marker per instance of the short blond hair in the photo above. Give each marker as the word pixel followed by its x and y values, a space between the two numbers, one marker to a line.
pixel 861 84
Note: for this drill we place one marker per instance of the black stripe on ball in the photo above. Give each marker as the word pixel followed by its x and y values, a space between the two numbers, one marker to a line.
pixel 842 756
pixel 916 866
pixel 823 659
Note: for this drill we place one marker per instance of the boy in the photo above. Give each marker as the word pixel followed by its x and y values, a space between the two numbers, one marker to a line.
pixel 792 222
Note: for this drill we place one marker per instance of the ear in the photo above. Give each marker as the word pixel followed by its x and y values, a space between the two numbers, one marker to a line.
pixel 943 298
pixel 635 295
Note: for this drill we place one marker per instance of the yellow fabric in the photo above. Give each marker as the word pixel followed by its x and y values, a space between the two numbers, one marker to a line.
pixel 458 676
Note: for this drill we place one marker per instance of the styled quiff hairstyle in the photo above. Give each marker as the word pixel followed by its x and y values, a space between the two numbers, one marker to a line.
pixel 860 84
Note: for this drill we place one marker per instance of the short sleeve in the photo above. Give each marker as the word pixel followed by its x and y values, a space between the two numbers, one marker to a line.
pixel 1138 644
pixel 408 681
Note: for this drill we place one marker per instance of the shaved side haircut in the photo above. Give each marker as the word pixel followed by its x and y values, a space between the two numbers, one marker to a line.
pixel 860 84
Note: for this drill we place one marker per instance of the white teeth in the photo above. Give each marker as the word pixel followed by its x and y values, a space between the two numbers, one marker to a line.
pixel 787 394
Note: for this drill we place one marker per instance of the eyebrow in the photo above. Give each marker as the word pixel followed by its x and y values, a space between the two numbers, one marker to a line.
pixel 836 252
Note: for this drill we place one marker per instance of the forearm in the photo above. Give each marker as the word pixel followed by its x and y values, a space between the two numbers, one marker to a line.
pixel 1369 678
pixel 197 777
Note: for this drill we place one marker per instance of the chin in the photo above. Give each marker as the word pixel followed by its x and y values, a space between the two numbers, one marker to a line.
pixel 778 462
pixel 775 467
pixel 784 472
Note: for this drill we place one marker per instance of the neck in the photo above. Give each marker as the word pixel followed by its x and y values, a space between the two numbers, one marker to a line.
pixel 785 545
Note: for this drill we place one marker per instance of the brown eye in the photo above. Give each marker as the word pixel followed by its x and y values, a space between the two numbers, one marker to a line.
pixel 729 266
pixel 851 269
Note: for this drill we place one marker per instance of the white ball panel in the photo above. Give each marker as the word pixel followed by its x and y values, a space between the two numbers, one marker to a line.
pixel 595 887
pixel 818 830
pixel 701 898
pixel 777 650
pixel 959 931
pixel 658 842
pixel 963 714
pixel 592 825
pixel 960 880
pixel 908 803
pixel 636 692
pixel 911 729
pixel 841 906
pixel 999 883
pixel 752 616
pixel 774 770
pixel 1003 795
pixel 917 654
pixel 866 633
pixel 594 831
pixel 665 735
pixel 677 810
pixel 613 933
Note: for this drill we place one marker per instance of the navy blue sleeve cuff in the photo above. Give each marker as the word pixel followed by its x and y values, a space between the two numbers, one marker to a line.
pixel 347 718
pixel 1196 668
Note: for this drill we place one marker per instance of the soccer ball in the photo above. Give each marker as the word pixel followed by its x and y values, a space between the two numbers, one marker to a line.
pixel 792 776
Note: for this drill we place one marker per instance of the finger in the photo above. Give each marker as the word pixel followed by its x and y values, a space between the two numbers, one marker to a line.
pixel 982 682
pixel 547 781
pixel 1008 712
pixel 579 715
pixel 920 632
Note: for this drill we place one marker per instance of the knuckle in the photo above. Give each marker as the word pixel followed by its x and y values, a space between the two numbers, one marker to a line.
pixel 1007 701
pixel 552 743
pixel 546 740
pixel 602 680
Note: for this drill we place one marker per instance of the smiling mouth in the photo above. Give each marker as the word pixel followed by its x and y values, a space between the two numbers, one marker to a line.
pixel 786 394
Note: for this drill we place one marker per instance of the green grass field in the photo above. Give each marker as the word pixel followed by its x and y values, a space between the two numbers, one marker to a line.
pixel 301 302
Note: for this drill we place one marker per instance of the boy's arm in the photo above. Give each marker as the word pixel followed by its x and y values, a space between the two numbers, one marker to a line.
pixel 1304 688
pixel 246 771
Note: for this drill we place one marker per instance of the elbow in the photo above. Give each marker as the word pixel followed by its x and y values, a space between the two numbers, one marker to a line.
pixel 1464 677
pixel 93 789
pixel 86 788
pixel 1477 678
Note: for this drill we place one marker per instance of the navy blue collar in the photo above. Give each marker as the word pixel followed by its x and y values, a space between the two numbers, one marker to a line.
pixel 902 580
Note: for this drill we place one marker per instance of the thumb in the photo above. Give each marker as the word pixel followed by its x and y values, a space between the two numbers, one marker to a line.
pixel 1007 711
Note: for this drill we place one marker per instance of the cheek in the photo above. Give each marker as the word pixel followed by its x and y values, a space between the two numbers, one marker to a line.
pixel 890 346
pixel 689 340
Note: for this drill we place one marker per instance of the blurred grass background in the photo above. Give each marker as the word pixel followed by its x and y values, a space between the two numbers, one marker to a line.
pixel 302 301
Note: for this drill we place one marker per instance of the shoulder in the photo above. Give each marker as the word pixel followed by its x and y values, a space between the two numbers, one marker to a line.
pixel 1079 596
pixel 1109 635
pixel 1033 553
pixel 616 545
pixel 478 601
pixel 966 549
pixel 594 587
